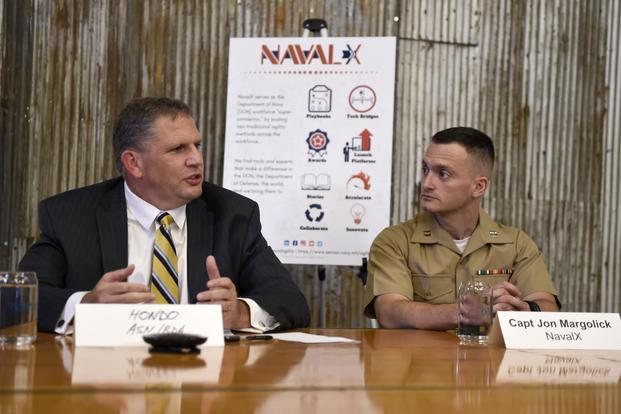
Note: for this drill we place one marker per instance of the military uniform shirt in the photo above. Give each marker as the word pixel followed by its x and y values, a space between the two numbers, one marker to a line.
pixel 419 260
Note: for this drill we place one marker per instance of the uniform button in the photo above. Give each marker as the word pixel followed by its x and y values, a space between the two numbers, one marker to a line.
pixel 427 293
pixel 60 323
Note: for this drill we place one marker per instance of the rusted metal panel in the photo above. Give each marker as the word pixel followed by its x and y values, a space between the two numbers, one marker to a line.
pixel 2 40
pixel 541 77
pixel 15 84
pixel 536 83
pixel 437 85
pixel 555 171
pixel 610 259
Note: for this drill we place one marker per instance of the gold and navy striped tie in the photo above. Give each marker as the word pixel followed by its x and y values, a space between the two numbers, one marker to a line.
pixel 164 276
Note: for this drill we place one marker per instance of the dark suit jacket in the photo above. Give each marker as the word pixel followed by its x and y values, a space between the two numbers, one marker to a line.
pixel 84 235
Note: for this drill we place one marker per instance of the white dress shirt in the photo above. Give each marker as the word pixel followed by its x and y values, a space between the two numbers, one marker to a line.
pixel 141 228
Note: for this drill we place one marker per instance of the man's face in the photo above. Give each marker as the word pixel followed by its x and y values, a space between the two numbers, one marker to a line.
pixel 171 165
pixel 449 182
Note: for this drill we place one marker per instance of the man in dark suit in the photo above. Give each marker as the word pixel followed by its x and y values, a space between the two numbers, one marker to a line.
pixel 97 242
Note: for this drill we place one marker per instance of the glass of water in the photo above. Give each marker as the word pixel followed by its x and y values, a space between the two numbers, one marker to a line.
pixel 18 307
pixel 474 312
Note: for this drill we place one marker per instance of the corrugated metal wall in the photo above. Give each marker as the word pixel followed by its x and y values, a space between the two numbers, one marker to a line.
pixel 541 77
pixel 610 213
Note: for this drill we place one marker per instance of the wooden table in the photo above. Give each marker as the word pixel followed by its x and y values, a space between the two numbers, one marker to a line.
pixel 389 371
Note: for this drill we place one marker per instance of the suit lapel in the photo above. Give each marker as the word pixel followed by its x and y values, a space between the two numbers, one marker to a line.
pixel 200 245
pixel 112 228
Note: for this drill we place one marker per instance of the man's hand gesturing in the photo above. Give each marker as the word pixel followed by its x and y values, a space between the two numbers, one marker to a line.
pixel 114 288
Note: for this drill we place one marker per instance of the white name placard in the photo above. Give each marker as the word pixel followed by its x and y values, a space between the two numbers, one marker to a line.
pixel 560 330
pixel 124 325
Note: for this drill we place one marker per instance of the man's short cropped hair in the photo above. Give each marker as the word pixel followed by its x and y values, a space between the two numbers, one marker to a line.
pixel 133 125
pixel 475 142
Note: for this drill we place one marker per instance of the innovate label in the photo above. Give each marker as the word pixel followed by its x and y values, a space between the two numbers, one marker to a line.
pixel 309 138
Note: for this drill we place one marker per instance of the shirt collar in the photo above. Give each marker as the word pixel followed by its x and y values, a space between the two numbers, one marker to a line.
pixel 487 232
pixel 146 213
pixel 428 231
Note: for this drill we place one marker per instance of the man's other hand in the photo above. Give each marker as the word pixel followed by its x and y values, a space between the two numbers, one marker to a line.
pixel 114 288
pixel 507 297
pixel 235 312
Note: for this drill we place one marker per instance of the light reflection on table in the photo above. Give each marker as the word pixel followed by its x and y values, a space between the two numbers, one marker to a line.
pixel 388 371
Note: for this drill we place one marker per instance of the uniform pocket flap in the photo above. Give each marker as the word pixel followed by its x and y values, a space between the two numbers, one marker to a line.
pixel 435 288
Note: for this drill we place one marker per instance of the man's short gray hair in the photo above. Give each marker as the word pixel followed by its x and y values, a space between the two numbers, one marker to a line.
pixel 132 127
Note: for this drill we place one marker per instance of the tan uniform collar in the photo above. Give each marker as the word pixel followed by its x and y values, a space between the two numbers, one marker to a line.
pixel 428 231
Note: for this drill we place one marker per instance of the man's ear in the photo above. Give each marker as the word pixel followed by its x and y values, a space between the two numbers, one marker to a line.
pixel 481 184
pixel 132 163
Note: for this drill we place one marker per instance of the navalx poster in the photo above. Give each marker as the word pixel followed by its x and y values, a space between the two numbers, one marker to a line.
pixel 309 138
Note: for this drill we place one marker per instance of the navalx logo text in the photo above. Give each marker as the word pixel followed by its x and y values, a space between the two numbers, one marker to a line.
pixel 300 55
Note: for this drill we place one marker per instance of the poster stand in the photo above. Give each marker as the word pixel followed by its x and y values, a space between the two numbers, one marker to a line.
pixel 309 138
pixel 315 26
pixel 319 27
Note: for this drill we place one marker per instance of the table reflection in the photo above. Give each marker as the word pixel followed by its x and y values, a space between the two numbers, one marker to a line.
pixel 389 371
pixel 136 366
pixel 428 360
pixel 405 357
pixel 559 367
pixel 249 366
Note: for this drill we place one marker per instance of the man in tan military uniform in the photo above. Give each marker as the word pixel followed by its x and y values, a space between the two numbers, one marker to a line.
pixel 415 267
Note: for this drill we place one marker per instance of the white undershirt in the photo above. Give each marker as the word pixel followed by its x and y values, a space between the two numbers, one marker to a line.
pixel 141 227
pixel 461 244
